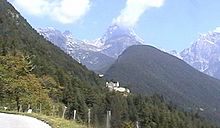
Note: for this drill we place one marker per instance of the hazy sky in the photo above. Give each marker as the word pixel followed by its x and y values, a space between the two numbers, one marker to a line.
pixel 166 24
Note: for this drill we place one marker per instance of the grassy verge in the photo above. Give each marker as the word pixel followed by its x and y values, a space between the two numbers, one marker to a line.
pixel 54 122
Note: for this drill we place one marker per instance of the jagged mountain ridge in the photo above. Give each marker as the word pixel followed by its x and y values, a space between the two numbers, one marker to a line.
pixel 117 38
pixel 79 50
pixel 98 54
pixel 204 53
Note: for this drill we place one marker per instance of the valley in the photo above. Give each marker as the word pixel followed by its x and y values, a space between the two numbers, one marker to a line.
pixel 48 70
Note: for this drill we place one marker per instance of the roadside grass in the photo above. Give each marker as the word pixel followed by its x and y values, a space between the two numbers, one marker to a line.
pixel 54 122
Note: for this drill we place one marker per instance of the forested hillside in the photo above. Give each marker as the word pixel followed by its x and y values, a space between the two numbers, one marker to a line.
pixel 147 70
pixel 34 73
pixel 54 70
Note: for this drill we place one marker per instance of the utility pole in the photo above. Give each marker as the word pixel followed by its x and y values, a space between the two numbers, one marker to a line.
pixel 108 119
pixel 53 110
pixel 20 108
pixel 40 107
pixel 29 106
pixel 89 117
pixel 64 110
pixel 74 115
pixel 137 124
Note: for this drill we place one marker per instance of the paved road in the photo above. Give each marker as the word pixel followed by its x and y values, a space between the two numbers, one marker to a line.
pixel 18 121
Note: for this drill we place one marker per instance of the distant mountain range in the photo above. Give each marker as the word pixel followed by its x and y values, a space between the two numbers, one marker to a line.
pixel 204 53
pixel 98 54
pixel 147 70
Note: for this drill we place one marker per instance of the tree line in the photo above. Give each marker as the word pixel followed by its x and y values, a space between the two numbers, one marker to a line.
pixel 20 86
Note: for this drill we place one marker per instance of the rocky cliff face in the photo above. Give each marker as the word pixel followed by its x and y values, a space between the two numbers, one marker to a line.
pixel 97 54
pixel 204 53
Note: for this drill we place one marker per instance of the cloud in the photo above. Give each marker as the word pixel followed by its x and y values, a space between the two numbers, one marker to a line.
pixel 130 15
pixel 63 11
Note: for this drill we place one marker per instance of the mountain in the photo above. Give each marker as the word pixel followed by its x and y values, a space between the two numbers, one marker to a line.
pixel 81 51
pixel 16 35
pixel 117 38
pixel 147 70
pixel 204 53
pixel 35 72
pixel 99 54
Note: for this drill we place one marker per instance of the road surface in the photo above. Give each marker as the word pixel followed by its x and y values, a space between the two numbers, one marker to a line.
pixel 19 121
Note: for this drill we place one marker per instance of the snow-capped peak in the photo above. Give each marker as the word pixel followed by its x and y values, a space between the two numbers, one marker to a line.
pixel 116 30
pixel 48 32
pixel 96 43
pixel 204 53
pixel 113 42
